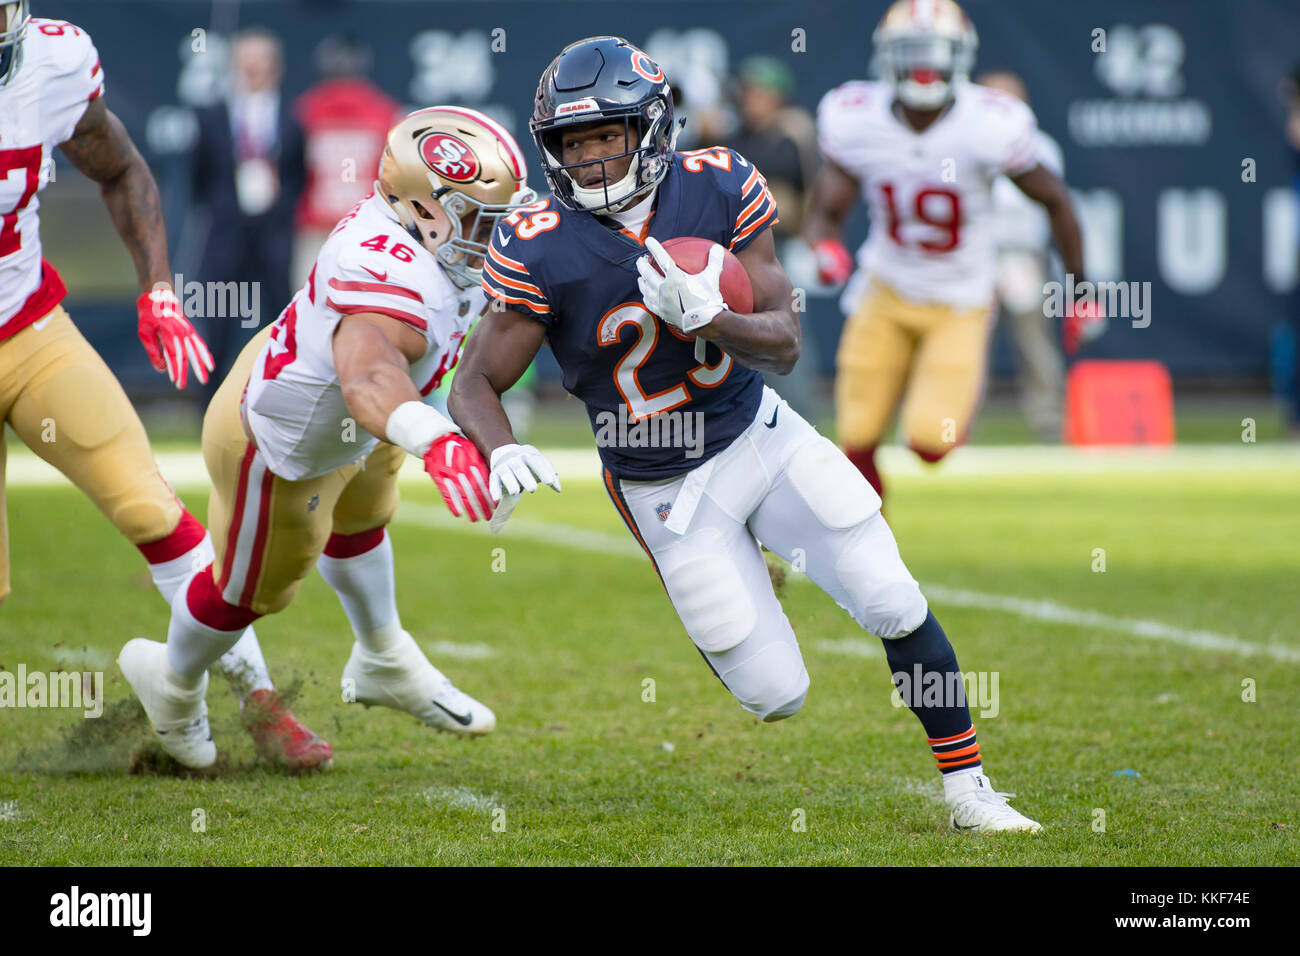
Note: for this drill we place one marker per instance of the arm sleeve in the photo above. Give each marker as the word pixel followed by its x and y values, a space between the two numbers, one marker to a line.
pixel 1021 150
pixel 382 290
pixel 752 202
pixel 78 80
pixel 836 124
pixel 508 280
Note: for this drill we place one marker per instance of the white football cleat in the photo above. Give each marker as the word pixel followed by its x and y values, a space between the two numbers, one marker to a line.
pixel 179 716
pixel 403 679
pixel 975 807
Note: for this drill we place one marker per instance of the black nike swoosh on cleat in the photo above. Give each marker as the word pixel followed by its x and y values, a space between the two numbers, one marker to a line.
pixel 464 721
pixel 772 423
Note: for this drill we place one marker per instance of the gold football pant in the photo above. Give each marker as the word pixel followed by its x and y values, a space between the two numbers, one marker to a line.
pixel 268 532
pixel 66 406
pixel 928 355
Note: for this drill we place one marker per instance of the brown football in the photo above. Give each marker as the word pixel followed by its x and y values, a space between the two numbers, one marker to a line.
pixel 692 254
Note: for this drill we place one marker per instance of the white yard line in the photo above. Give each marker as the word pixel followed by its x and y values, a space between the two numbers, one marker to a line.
pixel 184 469
pixel 584 539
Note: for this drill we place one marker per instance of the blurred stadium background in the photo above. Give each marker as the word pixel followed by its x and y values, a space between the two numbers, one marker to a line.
pixel 1155 135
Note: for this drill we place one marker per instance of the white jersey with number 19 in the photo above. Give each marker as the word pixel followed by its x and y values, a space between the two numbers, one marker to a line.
pixel 929 193
pixel 294 404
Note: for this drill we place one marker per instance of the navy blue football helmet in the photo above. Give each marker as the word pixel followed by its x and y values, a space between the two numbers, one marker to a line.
pixel 603 80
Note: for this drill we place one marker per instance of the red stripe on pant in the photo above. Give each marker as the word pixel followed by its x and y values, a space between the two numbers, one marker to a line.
pixel 259 539
pixel 232 534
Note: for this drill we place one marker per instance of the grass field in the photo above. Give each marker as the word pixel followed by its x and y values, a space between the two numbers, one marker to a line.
pixel 1120 691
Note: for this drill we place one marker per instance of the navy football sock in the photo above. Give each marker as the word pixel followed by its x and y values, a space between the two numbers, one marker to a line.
pixel 925 671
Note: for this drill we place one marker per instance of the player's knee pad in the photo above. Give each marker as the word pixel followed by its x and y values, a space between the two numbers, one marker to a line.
pixel 772 683
pixel 834 490
pixel 708 592
pixel 146 514
pixel 882 595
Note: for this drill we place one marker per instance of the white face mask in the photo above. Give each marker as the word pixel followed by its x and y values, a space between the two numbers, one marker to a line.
pixel 618 194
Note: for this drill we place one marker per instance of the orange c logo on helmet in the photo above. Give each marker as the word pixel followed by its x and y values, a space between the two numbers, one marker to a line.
pixel 643 65
pixel 449 157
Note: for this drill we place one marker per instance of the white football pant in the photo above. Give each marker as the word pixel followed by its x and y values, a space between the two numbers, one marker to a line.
pixel 785 485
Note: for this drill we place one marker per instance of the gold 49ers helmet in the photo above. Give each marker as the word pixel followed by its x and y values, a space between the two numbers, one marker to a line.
pixel 450 174
pixel 924 48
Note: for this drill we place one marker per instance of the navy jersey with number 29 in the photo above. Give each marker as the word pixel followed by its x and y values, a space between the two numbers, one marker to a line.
pixel 576 274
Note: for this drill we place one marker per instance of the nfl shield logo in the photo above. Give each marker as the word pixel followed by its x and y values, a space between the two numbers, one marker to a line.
pixel 315 500
pixel 663 510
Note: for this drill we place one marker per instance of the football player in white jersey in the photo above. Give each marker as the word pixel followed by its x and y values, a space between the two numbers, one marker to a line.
pixel 305 437
pixel 51 95
pixel 923 148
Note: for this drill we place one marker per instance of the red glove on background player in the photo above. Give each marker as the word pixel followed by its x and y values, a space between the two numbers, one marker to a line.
pixel 1083 323
pixel 834 263
pixel 169 340
pixel 461 475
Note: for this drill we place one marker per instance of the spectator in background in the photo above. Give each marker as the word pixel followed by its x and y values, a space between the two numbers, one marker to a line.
pixel 1024 241
pixel 248 172
pixel 345 119
pixel 780 139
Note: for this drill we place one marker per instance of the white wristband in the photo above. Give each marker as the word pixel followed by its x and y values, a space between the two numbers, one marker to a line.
pixel 415 426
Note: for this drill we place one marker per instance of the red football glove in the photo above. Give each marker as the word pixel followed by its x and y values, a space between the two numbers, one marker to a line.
pixel 1083 323
pixel 461 475
pixel 170 340
pixel 834 263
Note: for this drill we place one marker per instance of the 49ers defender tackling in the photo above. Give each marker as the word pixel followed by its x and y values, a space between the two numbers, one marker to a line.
pixel 305 437
pixel 51 94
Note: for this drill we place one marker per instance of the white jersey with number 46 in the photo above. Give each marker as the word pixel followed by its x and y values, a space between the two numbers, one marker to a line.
pixel 39 108
pixel 929 193
pixel 294 404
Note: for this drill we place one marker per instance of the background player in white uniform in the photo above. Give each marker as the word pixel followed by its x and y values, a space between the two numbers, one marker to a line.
pixel 305 437
pixel 923 148
pixel 1023 238
pixel 51 94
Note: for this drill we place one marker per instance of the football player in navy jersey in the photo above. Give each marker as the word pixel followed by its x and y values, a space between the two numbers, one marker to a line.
pixel 658 358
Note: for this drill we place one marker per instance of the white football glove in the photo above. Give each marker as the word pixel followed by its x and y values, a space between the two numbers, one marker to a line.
pixel 685 301
pixel 519 468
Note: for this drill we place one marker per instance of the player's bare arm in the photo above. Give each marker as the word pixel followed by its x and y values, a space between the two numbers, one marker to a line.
pixel 373 355
pixel 769 339
pixel 830 202
pixel 1049 190
pixel 499 351
pixel 101 150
